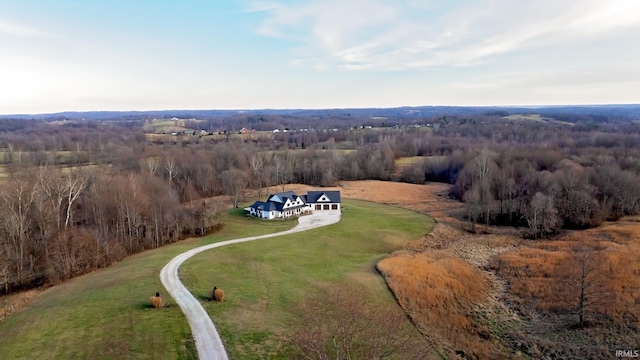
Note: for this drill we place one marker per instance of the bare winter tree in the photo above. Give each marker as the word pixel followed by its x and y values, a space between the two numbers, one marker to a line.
pixel 152 164
pixel 76 182
pixel 472 200
pixel 542 215
pixel 52 184
pixel 478 176
pixel 485 169
pixel 574 198
pixel 584 282
pixel 256 163
pixel 279 171
pixel 507 191
pixel 205 216
pixel 69 253
pixel 170 167
pixel 235 183
pixel 17 197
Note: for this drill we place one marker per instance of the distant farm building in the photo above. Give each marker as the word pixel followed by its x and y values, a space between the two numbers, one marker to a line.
pixel 287 204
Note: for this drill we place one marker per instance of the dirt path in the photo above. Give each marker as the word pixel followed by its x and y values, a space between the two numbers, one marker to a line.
pixel 208 342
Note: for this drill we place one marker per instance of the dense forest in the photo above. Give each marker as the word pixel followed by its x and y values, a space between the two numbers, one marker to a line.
pixel 79 194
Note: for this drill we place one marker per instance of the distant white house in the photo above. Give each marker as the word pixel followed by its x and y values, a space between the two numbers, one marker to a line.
pixel 287 204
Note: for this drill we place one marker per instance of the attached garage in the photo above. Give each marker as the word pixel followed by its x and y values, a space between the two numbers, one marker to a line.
pixel 324 200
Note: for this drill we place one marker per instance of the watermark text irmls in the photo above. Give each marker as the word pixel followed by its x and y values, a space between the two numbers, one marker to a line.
pixel 627 353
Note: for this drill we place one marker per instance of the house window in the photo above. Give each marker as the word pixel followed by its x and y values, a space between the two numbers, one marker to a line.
pixel 334 206
pixel 318 207
pixel 326 206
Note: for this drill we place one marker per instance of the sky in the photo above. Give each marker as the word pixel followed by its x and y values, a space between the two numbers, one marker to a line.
pixel 85 55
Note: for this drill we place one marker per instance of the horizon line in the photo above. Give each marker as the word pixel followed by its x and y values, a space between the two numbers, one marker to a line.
pixel 318 109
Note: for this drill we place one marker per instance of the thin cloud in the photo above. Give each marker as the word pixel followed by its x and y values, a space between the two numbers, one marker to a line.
pixel 602 78
pixel 263 6
pixel 14 29
pixel 378 35
pixel 607 16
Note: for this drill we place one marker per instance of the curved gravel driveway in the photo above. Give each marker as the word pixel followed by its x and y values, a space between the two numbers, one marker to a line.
pixel 208 342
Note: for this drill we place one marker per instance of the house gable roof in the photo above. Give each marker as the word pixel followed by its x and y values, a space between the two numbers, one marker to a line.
pixel 271 206
pixel 282 196
pixel 323 196
pixel 257 205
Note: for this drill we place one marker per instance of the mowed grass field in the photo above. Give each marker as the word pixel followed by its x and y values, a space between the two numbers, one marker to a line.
pixel 106 314
pixel 263 279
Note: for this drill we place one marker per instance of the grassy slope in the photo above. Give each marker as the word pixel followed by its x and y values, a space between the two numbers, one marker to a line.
pixel 105 314
pixel 263 279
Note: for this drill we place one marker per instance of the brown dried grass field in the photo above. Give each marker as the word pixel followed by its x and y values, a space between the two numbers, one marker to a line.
pixel 535 271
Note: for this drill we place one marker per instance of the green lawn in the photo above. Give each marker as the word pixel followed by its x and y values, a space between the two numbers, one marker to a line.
pixel 263 279
pixel 106 315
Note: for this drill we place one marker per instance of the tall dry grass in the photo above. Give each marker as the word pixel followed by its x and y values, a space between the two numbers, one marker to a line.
pixel 440 292
pixel 537 274
pixel 12 303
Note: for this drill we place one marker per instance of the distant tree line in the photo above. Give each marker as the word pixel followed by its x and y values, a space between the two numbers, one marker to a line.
pixel 538 176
